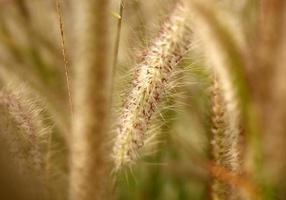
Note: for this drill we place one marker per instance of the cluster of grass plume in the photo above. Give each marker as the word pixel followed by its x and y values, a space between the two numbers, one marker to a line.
pixel 151 79
pixel 25 135
pixel 222 144
pixel 22 120
pixel 225 141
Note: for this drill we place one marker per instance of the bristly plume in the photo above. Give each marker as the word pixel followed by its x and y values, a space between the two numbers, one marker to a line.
pixel 222 53
pixel 225 143
pixel 151 80
pixel 24 133
pixel 22 124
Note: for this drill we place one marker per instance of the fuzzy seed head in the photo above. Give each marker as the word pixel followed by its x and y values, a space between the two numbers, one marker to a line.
pixel 225 143
pixel 152 76
pixel 23 130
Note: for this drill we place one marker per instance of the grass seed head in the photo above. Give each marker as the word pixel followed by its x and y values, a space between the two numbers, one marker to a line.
pixel 151 79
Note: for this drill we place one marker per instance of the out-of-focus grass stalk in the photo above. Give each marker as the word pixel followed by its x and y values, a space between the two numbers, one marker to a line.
pixel 268 76
pixel 117 40
pixel 241 183
pixel 225 141
pixel 16 73
pixel 222 49
pixel 224 53
pixel 91 96
pixel 140 23
pixel 18 64
pixel 64 53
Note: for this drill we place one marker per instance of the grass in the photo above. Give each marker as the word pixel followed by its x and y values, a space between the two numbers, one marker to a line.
pixel 167 99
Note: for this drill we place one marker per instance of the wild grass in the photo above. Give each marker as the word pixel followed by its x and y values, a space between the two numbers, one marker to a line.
pixel 166 99
pixel 151 79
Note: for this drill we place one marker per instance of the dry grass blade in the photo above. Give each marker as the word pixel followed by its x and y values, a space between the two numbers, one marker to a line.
pixel 66 63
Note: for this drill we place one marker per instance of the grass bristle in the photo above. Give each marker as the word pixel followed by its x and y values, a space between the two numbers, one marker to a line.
pixel 152 76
